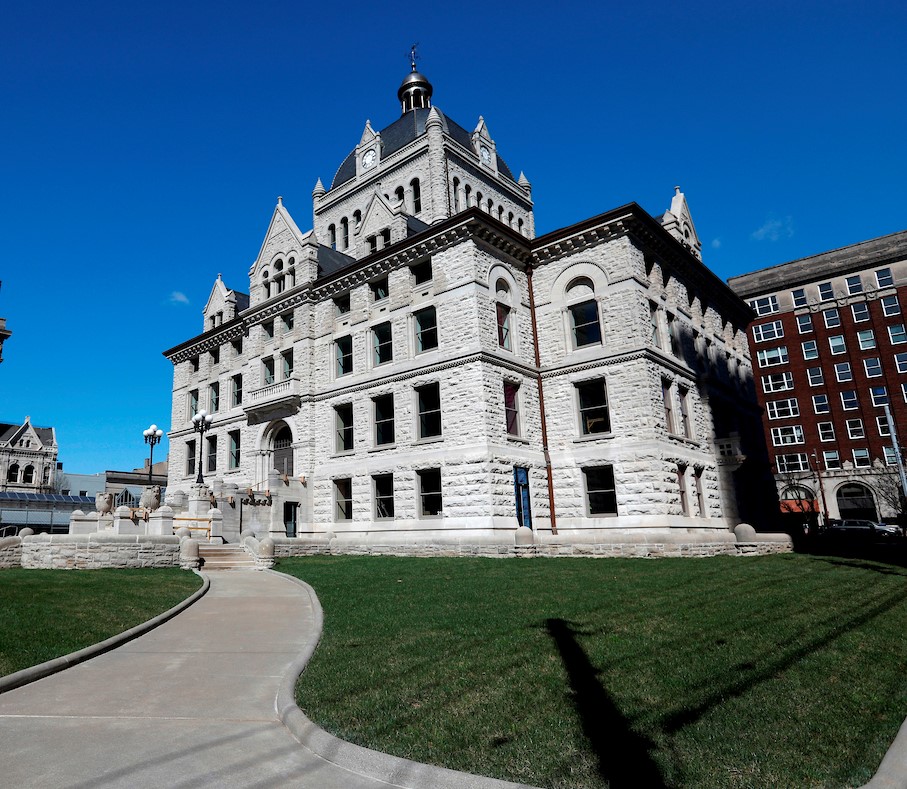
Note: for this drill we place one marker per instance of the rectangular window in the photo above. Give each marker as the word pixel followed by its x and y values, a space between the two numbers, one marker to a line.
pixel 287 318
pixel 286 363
pixel 860 311
pixel 584 324
pixel 879 395
pixel 212 453
pixel 820 404
pixel 768 357
pixel 768 331
pixel 854 285
pixel 904 392
pixel 214 397
pixel 796 462
pixel 855 428
pixel 593 407
pixel 503 319
pixel 799 297
pixel 267 371
pixel 342 304
pixel 384 496
pixel 897 334
pixel 789 434
pixel 804 324
pixel 882 425
pixel 428 402
pixel 343 354
pixel 685 423
pixel 861 458
pixel 601 496
pixel 343 423
pixel 843 372
pixel 765 305
pixel 512 408
pixel 778 382
pixel 379 289
pixel 891 305
pixel 810 349
pixel 193 403
pixel 343 499
pixel 891 459
pixel 654 331
pixel 700 495
pixel 873 368
pixel 866 339
pixel 429 492
pixel 234 448
pixel 193 363
pixel 384 419
pixel 421 272
pixel 884 278
pixel 849 400
pixel 832 318
pixel 832 459
pixel 237 347
pixel 815 376
pixel 267 330
pixel 236 390
pixel 673 335
pixel 682 490
pixel 900 361
pixel 782 409
pixel 426 323
pixel 382 344
pixel 190 458
pixel 836 344
pixel 667 398
pixel 825 292
pixel 826 431
pixel 215 356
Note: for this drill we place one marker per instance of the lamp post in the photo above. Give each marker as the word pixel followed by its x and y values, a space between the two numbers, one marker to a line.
pixel 152 437
pixel 200 423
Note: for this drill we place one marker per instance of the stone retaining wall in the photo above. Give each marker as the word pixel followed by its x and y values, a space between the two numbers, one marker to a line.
pixel 10 552
pixel 94 551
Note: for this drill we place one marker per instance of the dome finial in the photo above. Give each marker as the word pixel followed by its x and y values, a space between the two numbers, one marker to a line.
pixel 415 91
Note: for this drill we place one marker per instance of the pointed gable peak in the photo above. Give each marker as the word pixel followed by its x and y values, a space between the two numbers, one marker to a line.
pixel 319 189
pixel 368 133
pixel 678 221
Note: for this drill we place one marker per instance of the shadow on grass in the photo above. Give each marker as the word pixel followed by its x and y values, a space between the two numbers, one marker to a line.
pixel 623 756
pixel 677 720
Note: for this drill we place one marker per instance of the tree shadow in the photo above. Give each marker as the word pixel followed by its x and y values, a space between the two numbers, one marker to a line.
pixel 623 755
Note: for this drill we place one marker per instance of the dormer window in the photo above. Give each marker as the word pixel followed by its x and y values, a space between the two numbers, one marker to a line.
pixel 417 195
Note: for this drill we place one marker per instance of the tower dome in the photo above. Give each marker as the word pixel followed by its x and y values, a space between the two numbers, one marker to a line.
pixel 414 92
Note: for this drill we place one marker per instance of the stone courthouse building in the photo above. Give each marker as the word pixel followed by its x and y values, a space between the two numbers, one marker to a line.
pixel 420 368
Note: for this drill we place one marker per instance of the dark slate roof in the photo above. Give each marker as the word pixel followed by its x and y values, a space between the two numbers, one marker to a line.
pixel 45 434
pixel 242 301
pixel 403 131
pixel 330 260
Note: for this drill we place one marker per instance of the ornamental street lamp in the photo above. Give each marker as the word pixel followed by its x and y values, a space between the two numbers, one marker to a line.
pixel 200 423
pixel 152 437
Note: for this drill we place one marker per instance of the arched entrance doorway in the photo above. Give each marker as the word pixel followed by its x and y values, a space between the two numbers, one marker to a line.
pixel 282 454
pixel 855 501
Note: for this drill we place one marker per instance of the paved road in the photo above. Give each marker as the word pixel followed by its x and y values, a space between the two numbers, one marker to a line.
pixel 190 704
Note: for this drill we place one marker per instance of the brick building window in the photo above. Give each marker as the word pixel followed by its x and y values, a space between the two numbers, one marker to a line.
pixel 860 311
pixel 815 376
pixel 782 409
pixel 789 434
pixel 810 349
pixel 849 400
pixel 768 331
pixel 826 293
pixel 832 318
pixel 795 462
pixel 897 334
pixel 861 458
pixel 601 496
pixel 884 278
pixel 777 382
pixel 843 372
pixel 837 345
pixel 854 285
pixel 832 459
pixel 891 458
pixel 873 367
pixel 768 357
pixel 765 305
pixel 900 361
pixel 799 297
pixel 866 339
pixel 804 324
pixel 820 404
pixel 879 395
pixel 826 431
pixel 882 425
pixel 890 305
pixel 855 428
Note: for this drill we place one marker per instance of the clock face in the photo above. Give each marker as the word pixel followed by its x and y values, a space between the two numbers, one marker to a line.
pixel 485 154
pixel 368 159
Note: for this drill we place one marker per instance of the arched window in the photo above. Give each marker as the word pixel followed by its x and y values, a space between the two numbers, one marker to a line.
pixel 345 232
pixel 856 501
pixel 490 205
pixel 283 450
pixel 500 213
pixel 28 476
pixel 519 225
pixel 12 475
pixel 332 236
pixel 479 200
pixel 503 316
pixel 510 219
pixel 357 219
pixel 456 194
pixel 278 265
pixel 417 195
pixel 585 328
pixel 399 194
pixel 467 192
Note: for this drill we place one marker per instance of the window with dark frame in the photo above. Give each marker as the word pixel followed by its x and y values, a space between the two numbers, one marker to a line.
pixel 212 453
pixel 234 448
pixel 379 289
pixel 429 492
pixel 512 408
pixel 428 399
pixel 426 324
pixel 190 458
pixel 343 419
pixel 593 407
pixel 584 324
pixel 383 345
pixel 421 272
pixel 343 499
pixel 384 419
pixel 343 350
pixel 384 495
pixel 601 496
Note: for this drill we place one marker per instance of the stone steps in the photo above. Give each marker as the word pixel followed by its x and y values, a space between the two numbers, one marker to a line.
pixel 225 557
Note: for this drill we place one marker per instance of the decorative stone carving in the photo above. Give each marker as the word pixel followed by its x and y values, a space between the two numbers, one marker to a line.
pixel 151 498
pixel 103 503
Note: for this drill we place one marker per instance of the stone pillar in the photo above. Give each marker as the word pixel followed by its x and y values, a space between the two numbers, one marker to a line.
pixel 124 524
pixel 160 521
pixel 217 525
pixel 435 191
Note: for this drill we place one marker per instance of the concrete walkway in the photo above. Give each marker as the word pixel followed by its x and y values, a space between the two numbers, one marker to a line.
pixel 203 700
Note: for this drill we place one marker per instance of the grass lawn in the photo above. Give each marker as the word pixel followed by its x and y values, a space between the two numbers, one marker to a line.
pixel 48 613
pixel 784 671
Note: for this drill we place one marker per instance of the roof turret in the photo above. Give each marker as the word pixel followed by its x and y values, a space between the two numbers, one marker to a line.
pixel 415 91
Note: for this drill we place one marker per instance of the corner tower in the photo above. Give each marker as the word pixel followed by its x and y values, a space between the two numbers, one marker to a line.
pixel 421 169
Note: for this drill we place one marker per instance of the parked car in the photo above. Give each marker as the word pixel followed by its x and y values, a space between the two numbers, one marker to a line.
pixel 859 531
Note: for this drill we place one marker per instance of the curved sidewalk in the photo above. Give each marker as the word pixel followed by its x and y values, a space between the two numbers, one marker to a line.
pixel 194 703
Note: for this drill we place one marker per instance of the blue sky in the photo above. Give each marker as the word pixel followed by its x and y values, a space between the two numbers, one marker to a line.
pixel 144 147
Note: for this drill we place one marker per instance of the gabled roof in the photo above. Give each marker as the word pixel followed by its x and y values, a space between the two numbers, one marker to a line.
pixel 10 432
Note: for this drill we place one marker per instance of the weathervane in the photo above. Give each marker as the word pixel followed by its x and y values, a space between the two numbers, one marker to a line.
pixel 413 57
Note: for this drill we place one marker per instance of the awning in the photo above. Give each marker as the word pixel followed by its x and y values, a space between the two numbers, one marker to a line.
pixel 799 506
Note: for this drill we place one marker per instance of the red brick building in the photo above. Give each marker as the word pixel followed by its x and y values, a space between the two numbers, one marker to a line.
pixel 829 350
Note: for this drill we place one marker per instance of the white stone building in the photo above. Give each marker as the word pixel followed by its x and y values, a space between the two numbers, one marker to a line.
pixel 419 369
pixel 28 457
